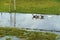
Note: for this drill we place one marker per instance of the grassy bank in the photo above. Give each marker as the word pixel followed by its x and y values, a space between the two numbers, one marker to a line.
pixel 29 35
pixel 32 6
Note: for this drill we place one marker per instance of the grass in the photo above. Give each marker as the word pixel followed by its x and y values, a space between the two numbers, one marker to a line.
pixel 28 35
pixel 32 6
pixel 8 39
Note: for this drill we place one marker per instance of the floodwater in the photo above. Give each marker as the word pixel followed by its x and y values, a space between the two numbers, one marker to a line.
pixel 11 37
pixel 19 20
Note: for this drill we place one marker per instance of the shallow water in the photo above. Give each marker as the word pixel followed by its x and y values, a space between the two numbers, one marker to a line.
pixel 49 22
pixel 11 37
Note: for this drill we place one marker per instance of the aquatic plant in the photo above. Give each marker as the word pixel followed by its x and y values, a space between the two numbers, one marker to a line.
pixel 28 35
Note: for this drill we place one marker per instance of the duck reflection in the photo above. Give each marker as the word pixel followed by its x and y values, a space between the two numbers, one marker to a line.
pixel 37 16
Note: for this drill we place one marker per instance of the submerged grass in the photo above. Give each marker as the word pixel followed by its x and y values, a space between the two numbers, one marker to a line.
pixel 28 35
pixel 32 6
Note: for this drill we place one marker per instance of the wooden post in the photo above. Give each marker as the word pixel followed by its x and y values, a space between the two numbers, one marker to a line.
pixel 14 5
pixel 10 6
pixel 15 13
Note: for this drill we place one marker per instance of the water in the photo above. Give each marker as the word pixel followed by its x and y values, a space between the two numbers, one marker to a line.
pixel 49 22
pixel 11 37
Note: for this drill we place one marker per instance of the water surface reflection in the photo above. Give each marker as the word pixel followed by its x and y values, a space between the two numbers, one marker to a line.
pixel 49 22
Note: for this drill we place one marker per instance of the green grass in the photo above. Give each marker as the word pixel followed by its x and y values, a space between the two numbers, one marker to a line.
pixel 28 35
pixel 32 6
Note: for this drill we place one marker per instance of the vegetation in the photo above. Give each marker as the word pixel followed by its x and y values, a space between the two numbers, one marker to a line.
pixel 8 39
pixel 28 35
pixel 32 6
